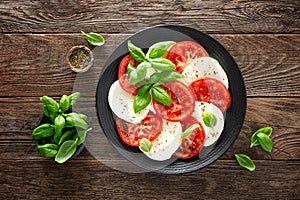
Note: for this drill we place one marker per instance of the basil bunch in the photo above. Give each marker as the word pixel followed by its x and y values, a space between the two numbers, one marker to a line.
pixel 60 138
pixel 164 73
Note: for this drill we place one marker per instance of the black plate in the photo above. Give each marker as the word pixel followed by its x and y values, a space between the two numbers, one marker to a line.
pixel 234 116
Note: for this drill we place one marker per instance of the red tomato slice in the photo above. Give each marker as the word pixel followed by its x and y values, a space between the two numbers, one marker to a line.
pixel 212 91
pixel 182 105
pixel 193 143
pixel 183 53
pixel 123 76
pixel 149 128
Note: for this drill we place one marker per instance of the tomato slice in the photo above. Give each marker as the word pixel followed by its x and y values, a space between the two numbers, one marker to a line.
pixel 149 128
pixel 182 105
pixel 192 144
pixel 123 76
pixel 183 53
pixel 212 91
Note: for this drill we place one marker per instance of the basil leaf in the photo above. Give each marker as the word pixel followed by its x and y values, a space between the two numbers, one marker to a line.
pixel 49 114
pixel 43 131
pixel 160 95
pixel 73 98
pixel 67 136
pixel 145 145
pixel 245 161
pixel 66 151
pixel 159 49
pixel 136 52
pixel 209 119
pixel 265 130
pixel 48 150
pixel 64 103
pixel 265 141
pixel 189 130
pixel 141 101
pixel 50 103
pixel 139 73
pixel 130 67
pixel 170 76
pixel 76 115
pixel 94 38
pixel 145 88
pixel 73 121
pixel 59 124
pixel 80 136
pixel 162 64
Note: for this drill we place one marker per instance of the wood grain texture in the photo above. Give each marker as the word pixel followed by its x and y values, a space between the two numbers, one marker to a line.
pixel 222 180
pixel 281 114
pixel 35 64
pixel 115 16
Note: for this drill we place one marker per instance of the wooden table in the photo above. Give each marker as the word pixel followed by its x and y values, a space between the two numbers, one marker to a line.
pixel 262 36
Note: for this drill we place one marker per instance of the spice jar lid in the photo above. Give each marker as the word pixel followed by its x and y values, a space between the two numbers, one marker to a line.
pixel 80 58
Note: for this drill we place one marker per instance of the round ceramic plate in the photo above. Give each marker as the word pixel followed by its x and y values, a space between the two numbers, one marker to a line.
pixel 234 115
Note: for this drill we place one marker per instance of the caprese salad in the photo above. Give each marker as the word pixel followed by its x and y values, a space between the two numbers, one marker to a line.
pixel 170 100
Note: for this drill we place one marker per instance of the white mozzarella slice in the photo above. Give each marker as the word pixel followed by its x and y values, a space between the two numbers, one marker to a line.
pixel 212 134
pixel 204 67
pixel 121 104
pixel 167 142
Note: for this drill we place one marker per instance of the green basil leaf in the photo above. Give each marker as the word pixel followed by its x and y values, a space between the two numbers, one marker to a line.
pixel 80 136
pixel 73 98
pixel 78 122
pixel 43 131
pixel 145 88
pixel 141 101
pixel 160 95
pixel 64 103
pixel 130 67
pixel 265 130
pixel 265 141
pixel 67 136
pixel 48 150
pixel 145 145
pixel 170 76
pixel 139 73
pixel 209 119
pixel 49 114
pixel 159 49
pixel 136 52
pixel 50 103
pixel 66 151
pixel 245 161
pixel 59 124
pixel 76 115
pixel 94 38
pixel 189 130
pixel 162 64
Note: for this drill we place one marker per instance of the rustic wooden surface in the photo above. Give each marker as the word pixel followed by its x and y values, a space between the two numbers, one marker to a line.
pixel 262 36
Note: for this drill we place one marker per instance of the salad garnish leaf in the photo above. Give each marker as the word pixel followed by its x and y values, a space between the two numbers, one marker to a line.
pixel 162 64
pixel 141 101
pixel 136 52
pixel 160 95
pixel 94 38
pixel 209 119
pixel 159 49
pixel 245 161
pixel 145 145
pixel 265 130
pixel 130 67
pixel 138 74
pixel 189 130
pixel 66 151
pixel 265 141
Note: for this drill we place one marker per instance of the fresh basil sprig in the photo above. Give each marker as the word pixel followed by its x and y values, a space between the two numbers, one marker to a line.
pixel 94 38
pixel 254 138
pixel 245 161
pixel 145 145
pixel 60 138
pixel 159 49
pixel 209 119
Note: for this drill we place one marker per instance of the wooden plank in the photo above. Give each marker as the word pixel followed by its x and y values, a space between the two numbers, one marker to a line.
pixel 17 122
pixel 35 65
pixel 92 180
pixel 106 16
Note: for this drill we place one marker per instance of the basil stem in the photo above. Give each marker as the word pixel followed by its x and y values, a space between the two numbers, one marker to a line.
pixel 209 119
pixel 145 145
pixel 160 95
pixel 94 38
pixel 189 130
pixel 245 161
pixel 159 49
pixel 265 130
pixel 136 52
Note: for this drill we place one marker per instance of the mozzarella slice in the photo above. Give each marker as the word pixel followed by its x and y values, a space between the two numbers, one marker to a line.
pixel 212 134
pixel 121 104
pixel 204 67
pixel 167 142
